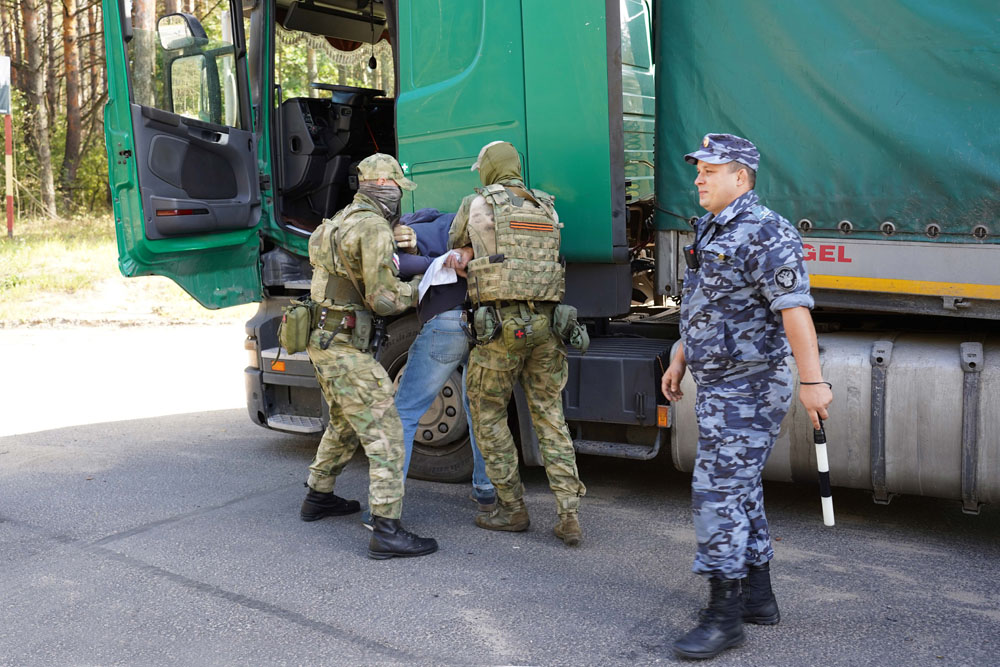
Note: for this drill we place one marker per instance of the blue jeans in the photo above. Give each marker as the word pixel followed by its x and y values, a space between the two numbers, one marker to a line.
pixel 439 348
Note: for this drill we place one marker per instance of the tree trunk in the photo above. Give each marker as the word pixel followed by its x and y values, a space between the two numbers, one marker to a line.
pixel 311 70
pixel 71 57
pixel 52 87
pixel 33 43
pixel 8 44
pixel 94 29
pixel 144 36
pixel 17 58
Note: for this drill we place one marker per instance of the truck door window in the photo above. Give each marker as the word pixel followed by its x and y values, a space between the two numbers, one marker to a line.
pixel 185 63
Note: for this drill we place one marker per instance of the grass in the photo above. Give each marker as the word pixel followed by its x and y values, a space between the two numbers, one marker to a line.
pixel 66 272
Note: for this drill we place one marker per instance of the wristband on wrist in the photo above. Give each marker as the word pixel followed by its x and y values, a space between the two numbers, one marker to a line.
pixel 820 382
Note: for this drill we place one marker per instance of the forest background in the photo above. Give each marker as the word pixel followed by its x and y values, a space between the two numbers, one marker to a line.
pixel 59 88
pixel 64 239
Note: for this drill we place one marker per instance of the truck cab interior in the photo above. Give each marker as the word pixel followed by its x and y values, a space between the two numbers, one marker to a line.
pixel 332 110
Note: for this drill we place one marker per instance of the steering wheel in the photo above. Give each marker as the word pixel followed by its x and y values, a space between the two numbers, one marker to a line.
pixel 333 88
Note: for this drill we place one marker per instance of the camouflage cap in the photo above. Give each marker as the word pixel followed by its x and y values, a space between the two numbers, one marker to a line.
pixel 723 148
pixel 381 165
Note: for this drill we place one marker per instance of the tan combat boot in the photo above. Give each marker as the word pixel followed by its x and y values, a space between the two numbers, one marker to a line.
pixel 512 517
pixel 568 529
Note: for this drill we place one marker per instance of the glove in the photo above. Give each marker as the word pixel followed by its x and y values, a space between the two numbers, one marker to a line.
pixel 406 239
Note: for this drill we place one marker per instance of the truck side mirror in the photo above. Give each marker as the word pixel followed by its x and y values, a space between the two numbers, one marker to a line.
pixel 179 31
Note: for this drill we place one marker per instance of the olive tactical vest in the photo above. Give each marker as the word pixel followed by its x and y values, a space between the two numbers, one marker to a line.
pixel 526 266
pixel 331 285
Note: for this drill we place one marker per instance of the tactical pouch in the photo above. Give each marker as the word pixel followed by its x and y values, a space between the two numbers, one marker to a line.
pixel 296 325
pixel 563 319
pixel 524 330
pixel 569 329
pixel 486 323
pixel 361 335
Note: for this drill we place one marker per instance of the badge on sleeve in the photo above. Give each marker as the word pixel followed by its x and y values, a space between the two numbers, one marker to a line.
pixel 786 278
pixel 395 261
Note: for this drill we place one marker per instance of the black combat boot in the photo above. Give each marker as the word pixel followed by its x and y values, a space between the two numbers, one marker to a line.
pixel 757 599
pixel 719 627
pixel 318 505
pixel 389 539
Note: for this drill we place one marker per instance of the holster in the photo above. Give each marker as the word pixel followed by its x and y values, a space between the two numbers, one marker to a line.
pixel 361 336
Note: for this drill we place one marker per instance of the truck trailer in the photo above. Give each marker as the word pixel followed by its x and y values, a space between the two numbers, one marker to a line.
pixel 233 129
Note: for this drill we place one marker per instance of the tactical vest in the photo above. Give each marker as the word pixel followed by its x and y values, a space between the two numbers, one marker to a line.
pixel 331 287
pixel 525 266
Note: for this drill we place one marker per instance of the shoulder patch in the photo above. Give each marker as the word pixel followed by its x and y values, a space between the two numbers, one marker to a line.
pixel 786 278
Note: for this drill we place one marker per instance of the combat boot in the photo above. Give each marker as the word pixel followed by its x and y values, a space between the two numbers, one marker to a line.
pixel 318 505
pixel 512 517
pixel 390 539
pixel 568 529
pixel 719 627
pixel 756 597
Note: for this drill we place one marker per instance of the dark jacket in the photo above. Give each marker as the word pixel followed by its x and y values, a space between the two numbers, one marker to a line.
pixel 432 228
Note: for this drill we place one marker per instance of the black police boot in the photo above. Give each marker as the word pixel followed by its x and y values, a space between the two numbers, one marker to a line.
pixel 756 597
pixel 389 539
pixel 719 627
pixel 318 505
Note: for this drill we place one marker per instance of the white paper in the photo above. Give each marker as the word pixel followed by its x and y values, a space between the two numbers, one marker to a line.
pixel 438 274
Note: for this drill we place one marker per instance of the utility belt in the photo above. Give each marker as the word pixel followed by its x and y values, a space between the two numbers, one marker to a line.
pixel 526 324
pixel 364 328
pixel 303 315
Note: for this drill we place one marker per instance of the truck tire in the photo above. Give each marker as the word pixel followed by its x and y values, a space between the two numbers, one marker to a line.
pixel 441 448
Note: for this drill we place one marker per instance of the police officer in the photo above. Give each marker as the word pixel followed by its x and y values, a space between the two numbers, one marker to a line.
pixel 508 239
pixel 745 305
pixel 355 279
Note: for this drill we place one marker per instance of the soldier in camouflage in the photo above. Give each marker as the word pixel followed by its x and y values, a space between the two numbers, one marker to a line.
pixel 355 273
pixel 508 238
pixel 745 307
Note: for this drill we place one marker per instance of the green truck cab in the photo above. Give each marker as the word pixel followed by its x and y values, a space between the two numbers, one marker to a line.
pixel 234 128
pixel 223 167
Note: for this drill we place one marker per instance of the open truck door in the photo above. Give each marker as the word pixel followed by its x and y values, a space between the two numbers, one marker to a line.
pixel 182 154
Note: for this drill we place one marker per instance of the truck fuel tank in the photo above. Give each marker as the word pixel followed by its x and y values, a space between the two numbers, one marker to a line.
pixel 912 414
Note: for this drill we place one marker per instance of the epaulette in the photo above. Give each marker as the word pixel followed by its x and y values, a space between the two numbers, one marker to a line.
pixel 762 212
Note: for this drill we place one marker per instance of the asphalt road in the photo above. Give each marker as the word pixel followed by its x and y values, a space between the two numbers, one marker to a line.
pixel 145 520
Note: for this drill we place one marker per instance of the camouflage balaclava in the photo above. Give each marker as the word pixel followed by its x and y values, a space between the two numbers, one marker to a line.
pixel 386 196
pixel 498 163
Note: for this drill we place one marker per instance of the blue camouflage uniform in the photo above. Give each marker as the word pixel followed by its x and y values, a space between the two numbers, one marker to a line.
pixel 751 268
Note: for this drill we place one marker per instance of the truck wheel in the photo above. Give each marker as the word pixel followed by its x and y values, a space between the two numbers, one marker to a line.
pixel 441 448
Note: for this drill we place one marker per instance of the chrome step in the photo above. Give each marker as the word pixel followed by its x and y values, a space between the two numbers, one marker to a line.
pixel 295 423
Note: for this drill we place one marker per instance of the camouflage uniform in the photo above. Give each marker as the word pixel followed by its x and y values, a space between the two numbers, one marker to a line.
pixel 538 362
pixel 751 268
pixel 356 387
